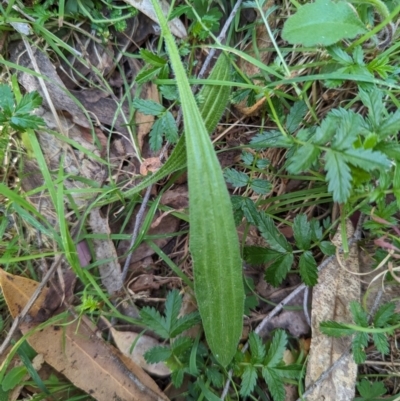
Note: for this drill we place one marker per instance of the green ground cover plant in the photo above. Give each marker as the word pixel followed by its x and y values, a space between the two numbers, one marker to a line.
pixel 328 130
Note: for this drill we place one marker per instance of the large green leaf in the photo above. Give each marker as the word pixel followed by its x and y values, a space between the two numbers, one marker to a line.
pixel 322 23
pixel 213 240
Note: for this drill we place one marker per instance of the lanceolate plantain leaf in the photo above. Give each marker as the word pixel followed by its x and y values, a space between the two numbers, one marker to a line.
pixel 213 240
pixel 215 97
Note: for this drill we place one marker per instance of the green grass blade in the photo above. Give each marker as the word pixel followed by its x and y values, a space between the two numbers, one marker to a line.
pixel 213 239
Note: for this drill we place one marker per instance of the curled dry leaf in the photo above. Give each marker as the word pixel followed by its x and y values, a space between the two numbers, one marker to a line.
pixel 142 343
pixel 332 295
pixel 73 348
pixel 151 164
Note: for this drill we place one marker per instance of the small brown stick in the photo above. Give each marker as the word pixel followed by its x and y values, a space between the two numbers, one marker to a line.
pixel 135 232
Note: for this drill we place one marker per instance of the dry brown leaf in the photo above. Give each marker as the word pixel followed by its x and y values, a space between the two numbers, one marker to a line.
pixel 124 341
pixel 332 295
pixel 151 164
pixel 74 349
pixel 177 197
pixel 17 291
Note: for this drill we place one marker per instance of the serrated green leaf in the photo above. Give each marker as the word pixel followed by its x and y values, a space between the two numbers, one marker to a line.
pixel 156 135
pixel 360 341
pixel 348 125
pixel 369 391
pixel 173 305
pixel 181 345
pixel 275 383
pixel 302 231
pixel 276 349
pixel 304 134
pixel 302 158
pixel 170 128
pixel 257 348
pixel 296 115
pixel 152 58
pixel 358 56
pixel 316 230
pixel 384 314
pixel 339 55
pixel 177 377
pixel 28 103
pixel 168 92
pixel 367 159
pixel 327 248
pixel 185 323
pixel 381 343
pixel 389 125
pixel 237 178
pixel 308 269
pixel 278 269
pixel 249 379
pixel 372 99
pixel 249 210
pixel 271 234
pixel 390 149
pixel 360 317
pixel 148 107
pixel 335 329
pixel 262 163
pixel 6 99
pixel 25 121
pixel 325 132
pixel 338 176
pixel 247 158
pixel 271 139
pixel 250 304
pixel 260 186
pixel 157 354
pixel 289 371
pixel 215 376
pixel 154 321
pixel 322 23
pixel 256 255
pixel 146 74
pixel 214 244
